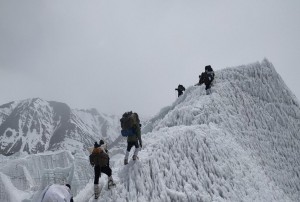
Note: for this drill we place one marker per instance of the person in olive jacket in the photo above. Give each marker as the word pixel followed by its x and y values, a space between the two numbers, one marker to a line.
pixel 134 140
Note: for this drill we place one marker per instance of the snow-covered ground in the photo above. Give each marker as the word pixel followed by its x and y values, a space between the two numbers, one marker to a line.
pixel 241 143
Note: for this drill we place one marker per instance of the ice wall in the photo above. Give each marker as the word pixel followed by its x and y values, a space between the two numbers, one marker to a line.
pixel 30 174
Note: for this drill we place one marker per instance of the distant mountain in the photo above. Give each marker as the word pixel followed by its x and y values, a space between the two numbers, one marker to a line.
pixel 36 125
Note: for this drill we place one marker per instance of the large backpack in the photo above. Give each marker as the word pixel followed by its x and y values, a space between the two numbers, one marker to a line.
pixel 129 122
pixel 202 78
pixel 99 159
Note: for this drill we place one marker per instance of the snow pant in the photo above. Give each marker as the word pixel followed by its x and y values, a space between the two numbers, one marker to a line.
pixel 207 85
pixel 180 93
pixel 129 145
pixel 207 88
pixel 98 170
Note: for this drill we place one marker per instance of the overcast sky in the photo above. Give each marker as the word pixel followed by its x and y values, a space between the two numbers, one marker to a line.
pixel 130 55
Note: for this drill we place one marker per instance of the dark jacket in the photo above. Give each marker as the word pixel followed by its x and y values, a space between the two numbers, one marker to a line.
pixel 210 75
pixel 99 157
pixel 180 89
pixel 207 77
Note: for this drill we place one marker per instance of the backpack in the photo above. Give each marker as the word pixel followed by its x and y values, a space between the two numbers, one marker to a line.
pixel 99 159
pixel 129 121
pixel 128 132
pixel 202 77
pixel 210 72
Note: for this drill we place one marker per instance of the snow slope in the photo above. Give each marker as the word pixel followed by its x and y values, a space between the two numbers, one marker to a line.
pixel 241 143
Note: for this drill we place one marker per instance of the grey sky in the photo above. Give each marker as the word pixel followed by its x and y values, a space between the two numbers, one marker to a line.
pixel 130 55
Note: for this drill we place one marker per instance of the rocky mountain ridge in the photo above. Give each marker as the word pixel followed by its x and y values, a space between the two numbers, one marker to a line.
pixel 35 125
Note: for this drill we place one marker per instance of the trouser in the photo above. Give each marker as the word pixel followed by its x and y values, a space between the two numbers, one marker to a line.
pixel 129 146
pixel 180 93
pixel 207 85
pixel 98 170
pixel 208 88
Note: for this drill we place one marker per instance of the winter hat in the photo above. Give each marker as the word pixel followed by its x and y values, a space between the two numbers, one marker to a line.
pixel 101 142
pixel 208 68
pixel 68 186
pixel 96 145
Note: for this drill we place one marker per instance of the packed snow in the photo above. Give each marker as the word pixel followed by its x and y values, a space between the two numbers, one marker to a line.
pixel 241 143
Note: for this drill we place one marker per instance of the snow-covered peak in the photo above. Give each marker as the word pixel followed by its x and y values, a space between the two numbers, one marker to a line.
pixel 6 109
pixel 235 91
pixel 35 125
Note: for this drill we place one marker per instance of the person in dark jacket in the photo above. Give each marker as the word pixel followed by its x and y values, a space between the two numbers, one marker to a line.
pixel 180 89
pixel 207 78
pixel 100 151
pixel 134 140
